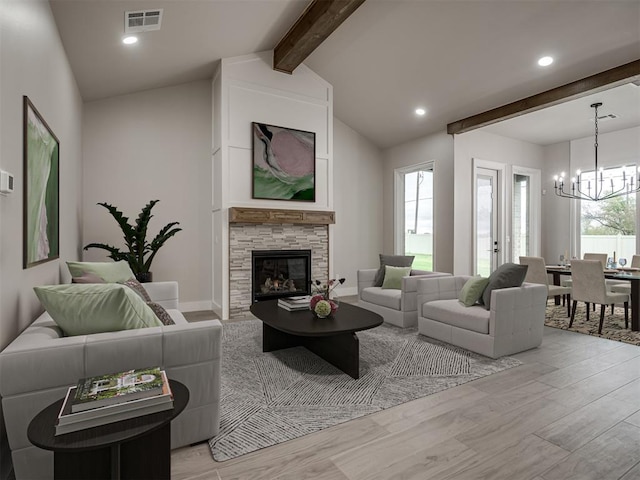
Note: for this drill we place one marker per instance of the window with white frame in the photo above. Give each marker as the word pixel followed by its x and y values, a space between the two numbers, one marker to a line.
pixel 608 226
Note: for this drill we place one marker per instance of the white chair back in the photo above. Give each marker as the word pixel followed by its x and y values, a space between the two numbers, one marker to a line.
pixel 588 282
pixel 536 270
pixel 601 257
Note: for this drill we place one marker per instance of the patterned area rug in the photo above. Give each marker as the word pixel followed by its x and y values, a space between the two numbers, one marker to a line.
pixel 268 398
pixel 612 328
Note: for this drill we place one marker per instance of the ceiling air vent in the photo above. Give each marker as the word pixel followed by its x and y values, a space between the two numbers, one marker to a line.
pixel 142 20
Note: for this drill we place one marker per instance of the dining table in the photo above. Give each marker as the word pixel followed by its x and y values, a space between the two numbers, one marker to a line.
pixel 631 276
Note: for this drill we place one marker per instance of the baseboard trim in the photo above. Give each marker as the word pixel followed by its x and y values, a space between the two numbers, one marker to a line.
pixel 195 306
pixel 346 292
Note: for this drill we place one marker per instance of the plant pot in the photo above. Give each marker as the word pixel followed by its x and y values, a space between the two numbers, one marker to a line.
pixel 144 277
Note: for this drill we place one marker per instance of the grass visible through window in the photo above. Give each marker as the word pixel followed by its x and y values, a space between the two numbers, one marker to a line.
pixel 422 261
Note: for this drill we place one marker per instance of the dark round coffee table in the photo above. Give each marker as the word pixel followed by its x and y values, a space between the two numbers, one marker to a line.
pixel 135 448
pixel 333 338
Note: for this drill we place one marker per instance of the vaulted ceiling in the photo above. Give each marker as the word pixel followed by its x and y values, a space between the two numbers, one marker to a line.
pixel 454 58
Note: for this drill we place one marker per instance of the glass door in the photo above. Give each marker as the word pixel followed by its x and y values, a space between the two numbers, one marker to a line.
pixel 486 221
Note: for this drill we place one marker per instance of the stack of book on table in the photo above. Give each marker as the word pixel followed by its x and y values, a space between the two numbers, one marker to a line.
pixel 294 303
pixel 96 401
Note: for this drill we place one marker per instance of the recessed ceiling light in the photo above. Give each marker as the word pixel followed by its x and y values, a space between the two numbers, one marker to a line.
pixel 130 40
pixel 545 61
pixel 420 111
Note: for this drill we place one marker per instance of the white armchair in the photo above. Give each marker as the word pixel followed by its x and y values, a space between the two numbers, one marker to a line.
pixel 514 323
pixel 398 307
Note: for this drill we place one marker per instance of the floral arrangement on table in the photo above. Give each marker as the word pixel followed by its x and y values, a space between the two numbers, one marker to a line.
pixel 321 302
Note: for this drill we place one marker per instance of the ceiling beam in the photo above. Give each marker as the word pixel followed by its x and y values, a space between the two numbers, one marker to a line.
pixel 595 83
pixel 317 22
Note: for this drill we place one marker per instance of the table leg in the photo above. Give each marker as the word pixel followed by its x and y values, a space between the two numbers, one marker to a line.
pixel 556 281
pixel 635 304
pixel 341 351
pixel 273 339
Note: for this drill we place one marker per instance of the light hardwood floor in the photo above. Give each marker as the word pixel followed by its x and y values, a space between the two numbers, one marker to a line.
pixel 571 411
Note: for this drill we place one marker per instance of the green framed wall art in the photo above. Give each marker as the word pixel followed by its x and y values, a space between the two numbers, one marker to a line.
pixel 41 216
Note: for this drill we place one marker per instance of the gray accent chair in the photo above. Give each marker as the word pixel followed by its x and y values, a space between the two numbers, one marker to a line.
pixel 37 368
pixel 537 273
pixel 398 307
pixel 514 323
pixel 589 286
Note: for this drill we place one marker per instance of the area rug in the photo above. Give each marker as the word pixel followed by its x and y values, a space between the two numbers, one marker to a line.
pixel 612 328
pixel 268 398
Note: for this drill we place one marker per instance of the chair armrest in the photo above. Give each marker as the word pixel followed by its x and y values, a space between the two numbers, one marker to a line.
pixel 517 309
pixel 366 278
pixel 164 293
pixel 410 283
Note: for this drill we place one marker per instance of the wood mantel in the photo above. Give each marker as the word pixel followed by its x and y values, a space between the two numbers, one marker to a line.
pixel 280 216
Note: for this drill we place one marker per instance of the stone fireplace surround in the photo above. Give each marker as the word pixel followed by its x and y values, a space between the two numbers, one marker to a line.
pixel 273 229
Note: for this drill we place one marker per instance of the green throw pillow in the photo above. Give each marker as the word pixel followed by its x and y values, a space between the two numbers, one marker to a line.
pixel 110 272
pixel 82 309
pixel 393 261
pixel 472 290
pixel 393 276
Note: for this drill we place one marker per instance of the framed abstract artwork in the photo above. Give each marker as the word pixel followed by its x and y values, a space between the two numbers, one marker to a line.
pixel 41 218
pixel 284 163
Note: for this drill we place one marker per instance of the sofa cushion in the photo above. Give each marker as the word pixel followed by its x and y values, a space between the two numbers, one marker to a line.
pixel 87 277
pixel 454 313
pixel 386 298
pixel 393 276
pixel 472 290
pixel 110 272
pixel 506 276
pixel 81 309
pixel 393 261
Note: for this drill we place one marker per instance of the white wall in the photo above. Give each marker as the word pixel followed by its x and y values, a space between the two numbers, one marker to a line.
pixel 557 230
pixel 358 233
pixel 439 148
pixel 249 90
pixel 154 144
pixel 33 63
pixel 489 147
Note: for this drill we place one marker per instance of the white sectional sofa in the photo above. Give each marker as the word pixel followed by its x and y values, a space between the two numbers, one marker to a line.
pixel 398 307
pixel 40 364
pixel 514 323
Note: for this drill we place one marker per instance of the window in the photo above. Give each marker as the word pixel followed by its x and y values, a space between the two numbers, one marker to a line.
pixel 608 226
pixel 521 212
pixel 416 211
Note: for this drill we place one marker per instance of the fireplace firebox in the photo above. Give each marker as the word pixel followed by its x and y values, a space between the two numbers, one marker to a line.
pixel 280 273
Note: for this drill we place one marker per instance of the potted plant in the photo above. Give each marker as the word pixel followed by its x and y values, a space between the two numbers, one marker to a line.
pixel 140 253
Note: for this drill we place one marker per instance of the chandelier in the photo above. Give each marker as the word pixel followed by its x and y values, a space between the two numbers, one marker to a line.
pixel 601 187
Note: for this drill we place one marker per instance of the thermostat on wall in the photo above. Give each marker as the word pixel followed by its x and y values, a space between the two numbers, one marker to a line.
pixel 6 182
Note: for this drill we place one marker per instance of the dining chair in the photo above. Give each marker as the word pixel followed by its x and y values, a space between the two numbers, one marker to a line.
pixel 601 257
pixel 589 287
pixel 537 273
pixel 622 286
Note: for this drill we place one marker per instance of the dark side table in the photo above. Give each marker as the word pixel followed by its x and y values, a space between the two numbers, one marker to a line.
pixel 137 448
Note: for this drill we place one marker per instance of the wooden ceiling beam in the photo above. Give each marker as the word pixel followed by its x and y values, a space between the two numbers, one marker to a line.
pixel 580 88
pixel 317 22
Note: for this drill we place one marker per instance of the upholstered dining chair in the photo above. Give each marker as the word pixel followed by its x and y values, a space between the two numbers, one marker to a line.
pixel 601 257
pixel 622 286
pixel 537 273
pixel 589 287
